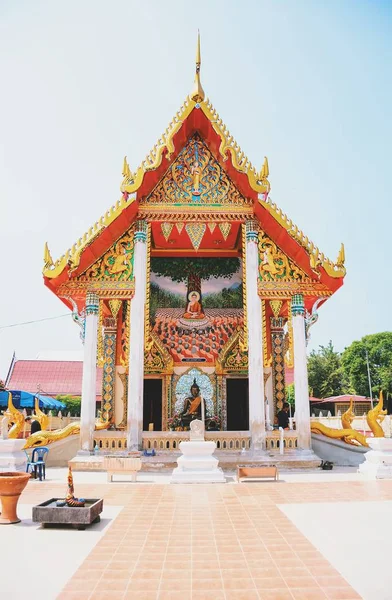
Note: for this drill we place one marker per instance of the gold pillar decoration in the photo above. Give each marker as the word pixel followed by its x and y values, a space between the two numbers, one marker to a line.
pixel 267 358
pixel 244 342
pixel 278 348
pixel 124 380
pixel 148 341
pixel 100 358
pixel 289 355
pixel 109 368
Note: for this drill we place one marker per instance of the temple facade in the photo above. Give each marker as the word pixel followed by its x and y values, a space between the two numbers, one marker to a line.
pixel 194 292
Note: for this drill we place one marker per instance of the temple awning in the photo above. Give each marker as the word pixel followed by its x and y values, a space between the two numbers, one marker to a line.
pixel 21 399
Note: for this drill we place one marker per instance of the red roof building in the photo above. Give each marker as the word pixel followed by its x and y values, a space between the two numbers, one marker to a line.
pixel 51 377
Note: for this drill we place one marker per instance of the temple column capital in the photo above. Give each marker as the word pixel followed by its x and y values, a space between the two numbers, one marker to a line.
pixel 252 231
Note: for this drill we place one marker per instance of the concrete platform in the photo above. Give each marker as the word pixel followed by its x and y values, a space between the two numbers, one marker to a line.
pixel 228 461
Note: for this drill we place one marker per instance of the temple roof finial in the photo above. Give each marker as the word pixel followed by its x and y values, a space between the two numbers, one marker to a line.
pixel 341 257
pixel 197 94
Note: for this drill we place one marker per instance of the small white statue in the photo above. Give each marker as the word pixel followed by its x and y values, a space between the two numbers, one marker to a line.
pixel 197 430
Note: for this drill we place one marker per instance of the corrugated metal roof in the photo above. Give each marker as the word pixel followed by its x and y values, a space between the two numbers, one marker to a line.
pixel 54 377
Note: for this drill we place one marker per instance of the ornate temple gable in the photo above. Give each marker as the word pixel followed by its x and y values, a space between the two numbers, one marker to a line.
pixel 156 358
pixel 280 276
pixel 110 275
pixel 275 265
pixel 233 358
pixel 196 179
pixel 196 114
pixel 116 264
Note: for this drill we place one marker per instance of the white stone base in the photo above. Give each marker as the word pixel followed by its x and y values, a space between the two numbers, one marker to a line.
pixel 197 465
pixel 378 461
pixel 12 457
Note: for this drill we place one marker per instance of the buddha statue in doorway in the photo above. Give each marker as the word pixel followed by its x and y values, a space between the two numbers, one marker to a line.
pixel 192 406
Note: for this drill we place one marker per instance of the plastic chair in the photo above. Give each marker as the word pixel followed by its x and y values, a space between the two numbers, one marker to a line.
pixel 38 459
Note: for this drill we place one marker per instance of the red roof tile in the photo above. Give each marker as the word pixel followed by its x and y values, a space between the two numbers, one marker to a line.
pixel 55 377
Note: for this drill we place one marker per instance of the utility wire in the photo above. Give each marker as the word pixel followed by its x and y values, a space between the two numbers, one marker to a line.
pixel 36 321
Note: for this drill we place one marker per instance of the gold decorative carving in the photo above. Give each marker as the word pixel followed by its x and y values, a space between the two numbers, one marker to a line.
pixel 117 263
pixel 124 380
pixel 166 230
pixel 289 355
pixel 180 227
pixel 225 229
pixel 232 358
pixel 286 289
pixel 244 339
pixel 125 333
pixel 276 305
pixel 195 232
pixel 211 227
pixel 274 265
pixel 100 336
pixel 267 356
pixel 196 178
pixel 115 306
pixel 103 289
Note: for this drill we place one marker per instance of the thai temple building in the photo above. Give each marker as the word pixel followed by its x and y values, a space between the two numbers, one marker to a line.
pixel 195 294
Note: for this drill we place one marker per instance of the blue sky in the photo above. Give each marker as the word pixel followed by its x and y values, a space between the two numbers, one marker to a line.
pixel 85 82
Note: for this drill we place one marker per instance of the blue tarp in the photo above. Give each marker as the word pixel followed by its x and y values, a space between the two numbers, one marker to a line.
pixel 22 399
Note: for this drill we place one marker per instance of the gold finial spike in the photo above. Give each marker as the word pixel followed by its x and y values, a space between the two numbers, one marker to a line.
pixel 126 172
pixel 341 257
pixel 264 169
pixel 48 261
pixel 198 92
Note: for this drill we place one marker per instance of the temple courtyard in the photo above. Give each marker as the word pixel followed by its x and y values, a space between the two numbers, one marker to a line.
pixel 312 535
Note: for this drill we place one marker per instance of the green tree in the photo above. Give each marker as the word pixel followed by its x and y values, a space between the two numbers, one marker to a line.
pixel 72 403
pixel 325 372
pixel 378 346
pixel 193 270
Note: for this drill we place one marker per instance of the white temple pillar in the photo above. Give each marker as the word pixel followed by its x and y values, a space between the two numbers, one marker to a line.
pixel 302 411
pixel 255 340
pixel 136 343
pixel 89 381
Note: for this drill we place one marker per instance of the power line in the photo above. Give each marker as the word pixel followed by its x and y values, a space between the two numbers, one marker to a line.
pixel 35 321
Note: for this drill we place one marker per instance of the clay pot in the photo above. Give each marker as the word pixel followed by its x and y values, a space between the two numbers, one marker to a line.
pixel 12 485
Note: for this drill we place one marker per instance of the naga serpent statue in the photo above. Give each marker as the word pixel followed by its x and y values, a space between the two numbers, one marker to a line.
pixel 348 416
pixel 42 438
pixel 350 436
pixel 70 499
pixel 15 417
pixel 375 416
pixel 40 416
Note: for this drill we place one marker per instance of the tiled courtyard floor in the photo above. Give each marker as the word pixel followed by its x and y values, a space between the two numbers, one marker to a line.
pixel 212 542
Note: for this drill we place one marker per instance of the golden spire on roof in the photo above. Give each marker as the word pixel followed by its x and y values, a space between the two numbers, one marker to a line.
pixel 48 261
pixel 341 257
pixel 197 94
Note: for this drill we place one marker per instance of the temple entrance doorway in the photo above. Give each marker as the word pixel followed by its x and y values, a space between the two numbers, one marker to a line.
pixel 237 399
pixel 152 404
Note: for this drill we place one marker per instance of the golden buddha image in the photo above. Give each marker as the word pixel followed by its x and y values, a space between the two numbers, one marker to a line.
pixel 196 172
pixel 193 309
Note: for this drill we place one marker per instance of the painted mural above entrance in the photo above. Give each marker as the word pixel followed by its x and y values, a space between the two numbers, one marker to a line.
pixel 196 305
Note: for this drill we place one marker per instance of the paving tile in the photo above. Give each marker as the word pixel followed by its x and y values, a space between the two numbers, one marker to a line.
pixel 308 593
